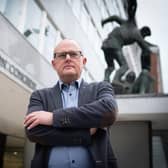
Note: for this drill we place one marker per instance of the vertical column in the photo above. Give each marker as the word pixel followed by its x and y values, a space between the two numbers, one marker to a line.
pixel 22 18
pixel 28 153
pixel 43 26
pixel 2 147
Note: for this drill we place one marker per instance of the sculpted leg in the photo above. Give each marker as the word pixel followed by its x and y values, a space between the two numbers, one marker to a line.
pixel 107 73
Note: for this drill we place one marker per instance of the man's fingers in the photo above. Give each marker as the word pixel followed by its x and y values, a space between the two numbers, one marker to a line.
pixel 38 117
pixel 33 124
pixel 29 121
pixel 28 117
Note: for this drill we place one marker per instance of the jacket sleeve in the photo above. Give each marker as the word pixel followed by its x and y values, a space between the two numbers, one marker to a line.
pixel 99 113
pixel 52 136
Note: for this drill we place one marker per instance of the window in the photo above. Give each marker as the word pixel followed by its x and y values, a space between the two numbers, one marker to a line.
pixel 51 37
pixel 32 23
pixel 12 10
pixel 76 7
pixel 84 19
pixel 159 143
pixel 13 152
pixel 2 5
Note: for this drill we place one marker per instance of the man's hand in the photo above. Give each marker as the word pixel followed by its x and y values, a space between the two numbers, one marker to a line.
pixel 38 117
pixel 93 131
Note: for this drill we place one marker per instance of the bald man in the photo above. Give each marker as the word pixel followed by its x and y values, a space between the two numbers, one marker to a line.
pixel 69 122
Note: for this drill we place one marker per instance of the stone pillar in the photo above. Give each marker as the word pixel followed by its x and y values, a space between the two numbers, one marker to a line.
pixel 28 153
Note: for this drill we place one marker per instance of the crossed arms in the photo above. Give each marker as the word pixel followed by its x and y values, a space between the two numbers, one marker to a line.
pixel 70 126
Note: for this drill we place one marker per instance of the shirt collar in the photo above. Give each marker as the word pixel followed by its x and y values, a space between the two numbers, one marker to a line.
pixel 77 83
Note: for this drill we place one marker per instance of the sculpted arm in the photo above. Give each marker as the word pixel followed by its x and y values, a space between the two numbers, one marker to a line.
pixel 112 19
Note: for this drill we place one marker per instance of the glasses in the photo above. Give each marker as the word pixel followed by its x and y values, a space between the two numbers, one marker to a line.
pixel 72 54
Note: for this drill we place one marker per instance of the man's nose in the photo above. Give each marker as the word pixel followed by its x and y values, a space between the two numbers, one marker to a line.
pixel 68 56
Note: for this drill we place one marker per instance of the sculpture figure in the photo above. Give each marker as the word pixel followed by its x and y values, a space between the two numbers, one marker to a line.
pixel 145 82
pixel 126 34
pixel 125 86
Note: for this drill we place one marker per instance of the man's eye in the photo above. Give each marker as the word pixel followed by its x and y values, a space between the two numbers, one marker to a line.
pixel 62 55
pixel 73 54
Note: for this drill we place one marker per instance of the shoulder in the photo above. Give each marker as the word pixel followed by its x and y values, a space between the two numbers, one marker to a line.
pixel 98 85
pixel 43 91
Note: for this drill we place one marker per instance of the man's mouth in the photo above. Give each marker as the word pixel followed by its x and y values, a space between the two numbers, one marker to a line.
pixel 68 67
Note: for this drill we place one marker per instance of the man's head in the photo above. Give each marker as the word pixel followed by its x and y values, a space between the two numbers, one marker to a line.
pixel 68 60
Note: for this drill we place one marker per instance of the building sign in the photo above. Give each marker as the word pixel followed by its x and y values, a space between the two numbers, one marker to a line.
pixel 6 65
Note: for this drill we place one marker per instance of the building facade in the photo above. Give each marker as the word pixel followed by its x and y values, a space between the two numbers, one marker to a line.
pixel 29 30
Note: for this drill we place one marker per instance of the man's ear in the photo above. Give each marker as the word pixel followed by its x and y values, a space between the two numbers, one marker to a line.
pixel 53 63
pixel 84 60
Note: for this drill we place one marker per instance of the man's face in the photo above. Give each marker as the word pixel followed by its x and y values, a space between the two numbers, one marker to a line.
pixel 68 61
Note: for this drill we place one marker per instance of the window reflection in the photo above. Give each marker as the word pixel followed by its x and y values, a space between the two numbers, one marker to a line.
pixel 2 5
pixel 11 10
pixel 160 151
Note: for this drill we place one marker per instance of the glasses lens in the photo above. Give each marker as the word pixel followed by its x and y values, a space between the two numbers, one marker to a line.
pixel 72 54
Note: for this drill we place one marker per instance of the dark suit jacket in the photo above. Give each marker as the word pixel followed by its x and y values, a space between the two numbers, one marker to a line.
pixel 96 109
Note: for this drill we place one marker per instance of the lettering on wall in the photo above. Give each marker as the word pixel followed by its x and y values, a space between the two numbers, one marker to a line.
pixel 17 73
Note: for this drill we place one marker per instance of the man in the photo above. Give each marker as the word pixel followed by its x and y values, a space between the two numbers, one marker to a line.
pixel 67 122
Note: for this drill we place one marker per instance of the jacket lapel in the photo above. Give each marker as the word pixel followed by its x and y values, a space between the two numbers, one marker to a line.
pixel 56 96
pixel 57 99
pixel 82 93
